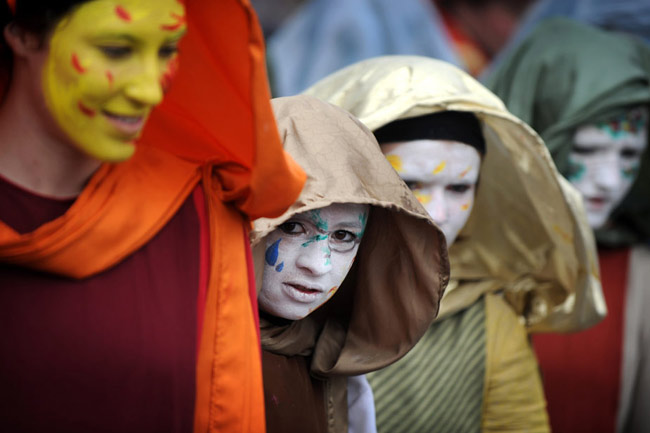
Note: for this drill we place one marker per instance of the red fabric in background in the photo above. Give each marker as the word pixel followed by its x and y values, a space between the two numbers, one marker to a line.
pixel 582 371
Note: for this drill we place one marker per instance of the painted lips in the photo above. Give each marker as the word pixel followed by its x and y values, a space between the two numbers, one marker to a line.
pixel 302 294
pixel 127 125
pixel 596 201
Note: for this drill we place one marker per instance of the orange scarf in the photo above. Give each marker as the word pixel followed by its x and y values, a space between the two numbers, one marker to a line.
pixel 215 126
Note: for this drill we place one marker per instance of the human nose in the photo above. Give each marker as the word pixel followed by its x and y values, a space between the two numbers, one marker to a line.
pixel 145 87
pixel 608 176
pixel 315 258
pixel 438 208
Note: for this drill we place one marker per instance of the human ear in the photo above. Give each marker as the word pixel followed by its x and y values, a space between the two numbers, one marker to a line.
pixel 21 42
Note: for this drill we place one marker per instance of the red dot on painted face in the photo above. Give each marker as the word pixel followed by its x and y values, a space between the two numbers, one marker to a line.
pixel 77 64
pixel 122 14
pixel 170 73
pixel 85 110
pixel 180 21
pixel 110 78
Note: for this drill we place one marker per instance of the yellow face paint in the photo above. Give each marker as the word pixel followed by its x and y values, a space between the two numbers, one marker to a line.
pixel 440 167
pixel 464 172
pixel 395 161
pixel 422 198
pixel 465 206
pixel 108 64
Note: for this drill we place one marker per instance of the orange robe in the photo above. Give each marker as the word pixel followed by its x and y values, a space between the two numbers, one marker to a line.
pixel 215 126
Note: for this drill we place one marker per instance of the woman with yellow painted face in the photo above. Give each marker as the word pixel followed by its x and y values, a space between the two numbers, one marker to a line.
pixel 125 297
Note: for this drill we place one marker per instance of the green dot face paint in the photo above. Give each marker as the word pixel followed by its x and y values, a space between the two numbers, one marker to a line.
pixel 107 66
pixel 577 170
pixel 308 257
pixel 605 160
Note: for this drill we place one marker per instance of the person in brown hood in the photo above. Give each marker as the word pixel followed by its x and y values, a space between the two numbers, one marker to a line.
pixel 350 276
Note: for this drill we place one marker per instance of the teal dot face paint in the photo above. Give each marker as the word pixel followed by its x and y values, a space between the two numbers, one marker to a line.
pixel 328 255
pixel 631 172
pixel 363 219
pixel 628 123
pixel 318 220
pixel 315 238
pixel 577 171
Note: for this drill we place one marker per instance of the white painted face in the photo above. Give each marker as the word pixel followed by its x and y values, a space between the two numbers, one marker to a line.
pixel 604 162
pixel 442 175
pixel 308 257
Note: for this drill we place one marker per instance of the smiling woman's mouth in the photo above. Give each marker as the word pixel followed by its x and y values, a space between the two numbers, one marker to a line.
pixel 128 125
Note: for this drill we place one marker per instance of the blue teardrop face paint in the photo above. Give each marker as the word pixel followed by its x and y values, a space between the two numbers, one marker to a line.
pixel 279 267
pixel 272 253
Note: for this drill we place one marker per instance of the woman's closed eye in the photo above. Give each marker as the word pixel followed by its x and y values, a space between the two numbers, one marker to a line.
pixel 168 51
pixel 584 150
pixel 631 152
pixel 116 52
pixel 413 184
pixel 459 188
pixel 292 228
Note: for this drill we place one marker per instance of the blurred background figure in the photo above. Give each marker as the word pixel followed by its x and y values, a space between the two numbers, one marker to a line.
pixel 586 91
pixel 519 245
pixel 479 29
pixel 326 35
pixel 318 37
pixel 626 16
pixel 309 39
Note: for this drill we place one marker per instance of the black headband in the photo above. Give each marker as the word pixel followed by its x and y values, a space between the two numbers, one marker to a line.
pixel 446 125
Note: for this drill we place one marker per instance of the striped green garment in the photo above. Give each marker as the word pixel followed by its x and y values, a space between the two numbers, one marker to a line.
pixel 438 385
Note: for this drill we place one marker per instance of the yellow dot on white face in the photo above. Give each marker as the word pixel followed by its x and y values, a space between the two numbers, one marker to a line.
pixel 422 198
pixel 395 161
pixel 465 206
pixel 464 172
pixel 440 167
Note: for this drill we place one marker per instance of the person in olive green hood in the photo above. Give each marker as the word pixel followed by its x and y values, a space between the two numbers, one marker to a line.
pixel 587 92
pixel 328 269
pixel 521 253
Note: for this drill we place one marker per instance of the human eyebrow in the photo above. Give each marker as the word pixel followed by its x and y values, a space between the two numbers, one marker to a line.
pixel 356 225
pixel 114 36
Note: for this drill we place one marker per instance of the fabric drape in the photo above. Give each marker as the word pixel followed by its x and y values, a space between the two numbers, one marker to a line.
pixel 558 79
pixel 214 126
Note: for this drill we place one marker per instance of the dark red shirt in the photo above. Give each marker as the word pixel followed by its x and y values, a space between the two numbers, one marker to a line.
pixel 112 353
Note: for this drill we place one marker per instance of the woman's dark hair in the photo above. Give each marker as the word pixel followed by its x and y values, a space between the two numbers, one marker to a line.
pixel 36 16
pixel 446 125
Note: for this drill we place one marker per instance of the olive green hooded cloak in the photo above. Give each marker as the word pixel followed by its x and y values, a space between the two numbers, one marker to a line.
pixel 559 78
